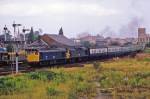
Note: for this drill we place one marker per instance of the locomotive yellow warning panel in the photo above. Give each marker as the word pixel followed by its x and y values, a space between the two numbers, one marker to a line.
pixel 33 57
pixel 67 54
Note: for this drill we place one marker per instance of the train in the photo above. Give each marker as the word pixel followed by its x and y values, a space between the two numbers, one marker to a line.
pixel 39 57
pixel 3 56
pixel 54 56
pixel 7 58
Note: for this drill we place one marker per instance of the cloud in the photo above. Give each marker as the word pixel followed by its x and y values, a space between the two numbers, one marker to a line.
pixel 75 16
pixel 19 9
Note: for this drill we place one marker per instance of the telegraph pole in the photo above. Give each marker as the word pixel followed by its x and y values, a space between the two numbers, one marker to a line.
pixel 14 26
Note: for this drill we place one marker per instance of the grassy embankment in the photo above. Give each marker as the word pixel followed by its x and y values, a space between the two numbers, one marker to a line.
pixel 147 50
pixel 128 77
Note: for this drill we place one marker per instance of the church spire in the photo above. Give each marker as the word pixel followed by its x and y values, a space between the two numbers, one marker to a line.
pixel 61 31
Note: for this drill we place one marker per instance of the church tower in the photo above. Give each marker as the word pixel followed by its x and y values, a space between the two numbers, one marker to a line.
pixel 61 31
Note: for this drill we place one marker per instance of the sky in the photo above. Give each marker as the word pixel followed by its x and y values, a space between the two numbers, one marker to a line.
pixel 116 18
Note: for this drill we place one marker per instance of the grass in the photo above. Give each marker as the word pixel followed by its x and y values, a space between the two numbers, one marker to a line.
pixel 120 77
pixel 147 50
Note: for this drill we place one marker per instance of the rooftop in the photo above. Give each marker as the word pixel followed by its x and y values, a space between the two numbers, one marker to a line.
pixel 62 39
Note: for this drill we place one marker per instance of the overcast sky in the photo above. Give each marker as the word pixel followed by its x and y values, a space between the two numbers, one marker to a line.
pixel 105 17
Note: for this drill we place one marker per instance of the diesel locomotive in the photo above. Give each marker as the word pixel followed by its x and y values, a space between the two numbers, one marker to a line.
pixel 3 56
pixel 71 55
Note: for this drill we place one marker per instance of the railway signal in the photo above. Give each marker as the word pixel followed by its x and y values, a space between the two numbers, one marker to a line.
pixel 24 31
pixel 5 33
pixel 16 50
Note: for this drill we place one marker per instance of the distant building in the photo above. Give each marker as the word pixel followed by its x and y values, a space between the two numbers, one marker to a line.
pixel 92 39
pixel 76 41
pixel 143 37
pixel 53 41
pixel 132 40
pixel 120 42
pixel 101 42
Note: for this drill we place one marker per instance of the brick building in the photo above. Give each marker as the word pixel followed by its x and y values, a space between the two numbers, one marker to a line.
pixel 47 41
pixel 143 37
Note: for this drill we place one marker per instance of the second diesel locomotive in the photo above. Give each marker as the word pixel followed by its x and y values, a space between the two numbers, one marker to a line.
pixel 63 55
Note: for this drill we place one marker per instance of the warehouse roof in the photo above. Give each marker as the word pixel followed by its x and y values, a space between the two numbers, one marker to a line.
pixel 58 40
pixel 62 39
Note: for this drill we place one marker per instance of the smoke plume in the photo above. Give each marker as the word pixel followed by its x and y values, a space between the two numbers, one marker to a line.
pixel 130 30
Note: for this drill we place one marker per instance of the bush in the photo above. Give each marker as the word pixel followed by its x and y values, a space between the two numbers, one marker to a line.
pixel 146 59
pixel 11 85
pixel 96 65
pixel 52 91
pixel 46 75
pixel 60 77
pixel 82 89
pixel 142 74
pixel 77 76
pixel 138 82
pixel 111 79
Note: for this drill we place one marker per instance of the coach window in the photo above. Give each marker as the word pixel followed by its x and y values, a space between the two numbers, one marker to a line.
pixel 99 51
pixel 110 50
pixel 53 57
pixel 96 51
pixel 92 51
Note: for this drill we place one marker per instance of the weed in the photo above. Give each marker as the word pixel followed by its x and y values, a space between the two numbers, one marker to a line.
pixel 82 89
pixel 97 66
pixel 52 91
pixel 10 85
pixel 45 75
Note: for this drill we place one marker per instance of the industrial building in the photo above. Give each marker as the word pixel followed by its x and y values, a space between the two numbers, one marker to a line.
pixel 143 37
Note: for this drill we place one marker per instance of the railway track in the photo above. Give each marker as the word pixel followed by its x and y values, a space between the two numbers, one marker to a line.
pixel 6 70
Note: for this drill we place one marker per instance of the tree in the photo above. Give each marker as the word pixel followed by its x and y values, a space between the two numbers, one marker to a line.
pixel 31 37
